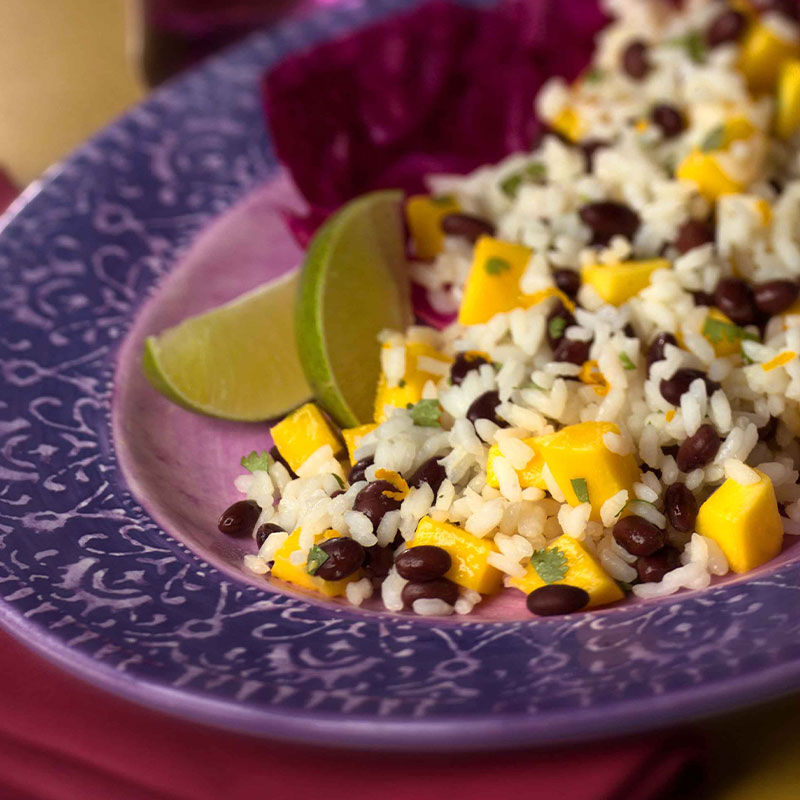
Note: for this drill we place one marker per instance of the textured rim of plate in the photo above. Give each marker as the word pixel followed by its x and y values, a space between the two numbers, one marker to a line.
pixel 735 644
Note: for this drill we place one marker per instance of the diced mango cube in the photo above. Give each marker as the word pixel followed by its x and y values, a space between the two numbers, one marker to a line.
pixel 616 283
pixel 582 571
pixel 578 454
pixel 529 475
pixel 744 521
pixel 284 570
pixel 568 123
pixel 424 216
pixel 469 554
pixel 762 56
pixel 302 433
pixel 493 282
pixel 409 390
pixel 787 102
pixel 353 436
pixel 703 170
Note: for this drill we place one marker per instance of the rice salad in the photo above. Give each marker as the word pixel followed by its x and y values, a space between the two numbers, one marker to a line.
pixel 615 408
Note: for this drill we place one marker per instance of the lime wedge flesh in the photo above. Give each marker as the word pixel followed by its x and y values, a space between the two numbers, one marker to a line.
pixel 354 283
pixel 237 362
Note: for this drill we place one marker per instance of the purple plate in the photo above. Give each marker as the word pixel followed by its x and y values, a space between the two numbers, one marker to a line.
pixel 109 562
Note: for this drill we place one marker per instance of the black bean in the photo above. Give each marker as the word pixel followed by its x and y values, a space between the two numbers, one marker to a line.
pixel 726 27
pixel 573 351
pixel 680 507
pixel 702 298
pixel 670 450
pixel 734 298
pixel 786 8
pixel 556 598
pixel 467 226
pixel 264 531
pixel 655 352
pixel 378 562
pixel 432 473
pixel 654 567
pixel 425 562
pixel 699 449
pixel 276 455
pixel 555 330
pixel 772 297
pixel 485 407
pixel 337 493
pixel 590 147
pixel 440 589
pixel 693 233
pixel 358 470
pixel 608 219
pixel 373 501
pixel 345 556
pixel 568 280
pixel 669 119
pixel 629 331
pixel 463 365
pixel 672 388
pixel 638 536
pixel 635 61
pixel 240 518
pixel 768 430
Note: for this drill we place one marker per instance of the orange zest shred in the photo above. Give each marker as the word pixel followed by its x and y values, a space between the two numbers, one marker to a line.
pixel 779 361
pixel 591 375
pixel 396 479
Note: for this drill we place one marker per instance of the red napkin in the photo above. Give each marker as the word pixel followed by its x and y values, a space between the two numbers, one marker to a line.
pixel 61 739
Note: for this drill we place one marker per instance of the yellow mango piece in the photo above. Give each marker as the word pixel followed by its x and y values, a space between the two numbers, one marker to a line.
pixel 493 282
pixel 578 452
pixel 762 56
pixel 409 390
pixel 353 436
pixel 284 570
pixel 469 554
pixel 703 170
pixel 582 571
pixel 568 123
pixel 737 129
pixel 424 216
pixel 787 101
pixel 529 475
pixel 744 521
pixel 302 433
pixel 616 283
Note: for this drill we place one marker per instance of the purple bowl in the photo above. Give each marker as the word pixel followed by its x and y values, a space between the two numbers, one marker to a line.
pixel 109 563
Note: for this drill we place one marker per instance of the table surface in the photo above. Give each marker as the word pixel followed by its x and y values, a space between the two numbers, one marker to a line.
pixel 48 105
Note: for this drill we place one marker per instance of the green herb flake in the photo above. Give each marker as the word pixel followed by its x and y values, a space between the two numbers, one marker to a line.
pixel 316 558
pixel 536 171
pixel 550 564
pixel 593 75
pixel 715 330
pixel 496 266
pixel 532 385
pixel 402 383
pixel 556 327
pixel 625 586
pixel 442 200
pixel 694 44
pixel 426 414
pixel 253 461
pixel 338 480
pixel 713 140
pixel 509 186
pixel 581 489
pixel 626 361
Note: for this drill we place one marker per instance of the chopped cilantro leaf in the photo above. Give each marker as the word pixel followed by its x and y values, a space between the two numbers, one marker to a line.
pixel 316 558
pixel 581 489
pixel 694 44
pixel 509 186
pixel 715 330
pixel 625 586
pixel 253 461
pixel 550 564
pixel 593 75
pixel 426 413
pixel 714 139
pixel 532 385
pixel 496 266
pixel 338 480
pixel 556 327
pixel 626 361
pixel 402 383
pixel 535 171
pixel 442 200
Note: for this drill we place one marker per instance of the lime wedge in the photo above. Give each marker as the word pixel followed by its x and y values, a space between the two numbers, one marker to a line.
pixel 354 284
pixel 236 362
